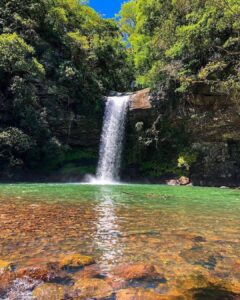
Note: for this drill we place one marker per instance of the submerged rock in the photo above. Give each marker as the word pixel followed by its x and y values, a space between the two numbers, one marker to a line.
pixel 197 255
pixel 92 271
pixel 137 271
pixel 76 260
pixel 45 272
pixel 49 291
pixel 208 286
pixel 92 288
pixel 141 294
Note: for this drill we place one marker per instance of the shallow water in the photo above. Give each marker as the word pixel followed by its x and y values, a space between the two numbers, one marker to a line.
pixel 181 230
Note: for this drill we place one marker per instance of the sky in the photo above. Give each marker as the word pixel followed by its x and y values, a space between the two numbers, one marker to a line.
pixel 107 8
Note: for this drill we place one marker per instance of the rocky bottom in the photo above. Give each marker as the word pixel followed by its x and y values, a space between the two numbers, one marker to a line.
pixel 119 242
pixel 76 276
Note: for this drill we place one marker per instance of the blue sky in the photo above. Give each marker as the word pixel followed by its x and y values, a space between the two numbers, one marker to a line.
pixel 107 8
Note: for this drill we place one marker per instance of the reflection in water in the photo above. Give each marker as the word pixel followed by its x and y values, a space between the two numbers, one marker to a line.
pixel 107 232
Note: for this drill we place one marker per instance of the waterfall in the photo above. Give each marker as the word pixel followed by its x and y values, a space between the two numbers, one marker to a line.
pixel 112 138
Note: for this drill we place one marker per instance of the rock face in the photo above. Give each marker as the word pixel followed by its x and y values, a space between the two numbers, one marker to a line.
pixel 214 128
pixel 79 131
pixel 141 109
pixel 162 126
pixel 140 100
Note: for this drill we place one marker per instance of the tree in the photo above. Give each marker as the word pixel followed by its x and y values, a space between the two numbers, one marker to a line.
pixel 57 59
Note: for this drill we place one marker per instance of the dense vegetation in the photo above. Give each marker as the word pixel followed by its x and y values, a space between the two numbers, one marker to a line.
pixel 184 40
pixel 176 46
pixel 57 57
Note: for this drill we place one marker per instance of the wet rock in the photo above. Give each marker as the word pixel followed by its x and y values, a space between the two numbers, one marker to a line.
pixel 136 271
pixel 92 288
pixel 76 260
pixel 49 291
pixel 183 180
pixel 45 272
pixel 140 294
pixel 5 266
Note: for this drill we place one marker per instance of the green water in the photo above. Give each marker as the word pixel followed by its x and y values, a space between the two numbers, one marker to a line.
pixel 179 229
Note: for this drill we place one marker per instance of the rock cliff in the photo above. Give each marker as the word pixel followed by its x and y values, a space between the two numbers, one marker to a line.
pixel 202 128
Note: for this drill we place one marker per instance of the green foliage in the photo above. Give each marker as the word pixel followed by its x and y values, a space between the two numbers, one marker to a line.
pixel 186 160
pixel 16 56
pixel 57 59
pixel 14 145
pixel 184 40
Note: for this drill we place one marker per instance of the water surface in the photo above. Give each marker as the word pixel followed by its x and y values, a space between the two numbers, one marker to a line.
pixel 182 230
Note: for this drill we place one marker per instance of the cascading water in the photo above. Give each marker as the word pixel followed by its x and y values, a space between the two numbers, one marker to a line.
pixel 112 138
